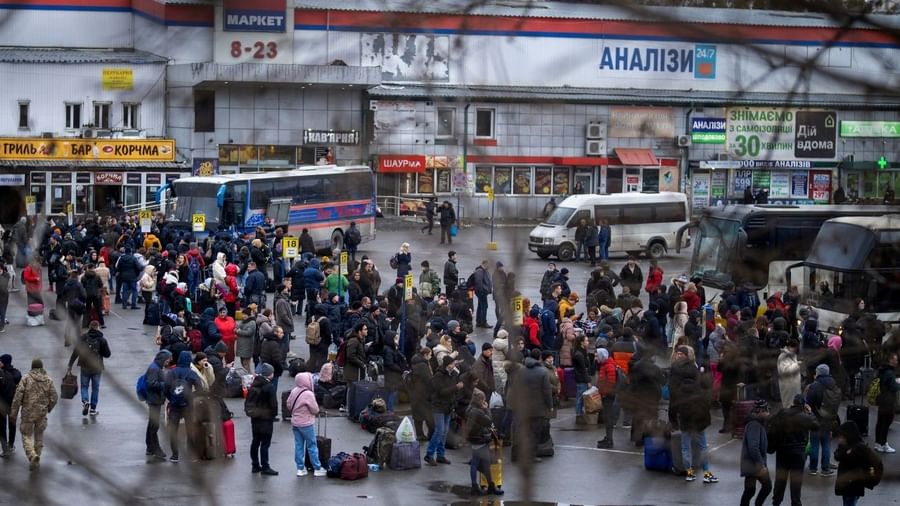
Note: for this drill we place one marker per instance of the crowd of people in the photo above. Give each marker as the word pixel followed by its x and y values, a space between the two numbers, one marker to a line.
pixel 227 303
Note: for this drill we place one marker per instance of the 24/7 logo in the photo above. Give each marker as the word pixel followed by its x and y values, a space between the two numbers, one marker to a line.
pixel 704 61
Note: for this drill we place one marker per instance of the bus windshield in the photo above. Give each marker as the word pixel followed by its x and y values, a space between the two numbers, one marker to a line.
pixel 560 216
pixel 836 290
pixel 196 199
pixel 713 250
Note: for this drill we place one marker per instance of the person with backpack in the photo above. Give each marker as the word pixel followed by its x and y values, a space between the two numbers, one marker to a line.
pixel 352 240
pixel 823 396
pixel 10 377
pixel 153 392
pixel 858 466
pixel 180 384
pixel 451 273
pixel 312 282
pixel 261 406
pixel 889 385
pixel 127 272
pixel 271 352
pixel 429 282
pixel 90 351
pixel 754 447
pixel 93 302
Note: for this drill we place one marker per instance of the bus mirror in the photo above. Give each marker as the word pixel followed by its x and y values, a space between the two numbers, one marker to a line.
pixel 679 235
pixel 220 197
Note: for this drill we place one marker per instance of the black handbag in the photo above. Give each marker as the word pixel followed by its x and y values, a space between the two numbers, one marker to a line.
pixel 69 386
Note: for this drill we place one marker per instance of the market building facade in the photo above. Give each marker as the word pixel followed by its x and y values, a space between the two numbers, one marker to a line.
pixel 531 103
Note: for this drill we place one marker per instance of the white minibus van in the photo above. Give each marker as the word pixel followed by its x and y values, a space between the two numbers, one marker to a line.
pixel 640 222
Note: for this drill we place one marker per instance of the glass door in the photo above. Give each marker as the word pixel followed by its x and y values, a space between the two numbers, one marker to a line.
pixel 583 182
pixel 632 180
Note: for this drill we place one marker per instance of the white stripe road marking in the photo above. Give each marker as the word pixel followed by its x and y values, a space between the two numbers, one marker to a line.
pixel 572 447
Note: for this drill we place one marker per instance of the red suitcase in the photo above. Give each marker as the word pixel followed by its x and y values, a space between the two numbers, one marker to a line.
pixel 228 438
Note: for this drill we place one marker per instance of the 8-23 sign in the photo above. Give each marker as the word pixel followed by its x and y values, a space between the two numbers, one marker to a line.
pixel 259 49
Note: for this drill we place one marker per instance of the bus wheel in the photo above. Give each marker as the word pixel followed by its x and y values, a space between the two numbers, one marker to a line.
pixel 566 252
pixel 656 249
pixel 337 240
pixel 543 255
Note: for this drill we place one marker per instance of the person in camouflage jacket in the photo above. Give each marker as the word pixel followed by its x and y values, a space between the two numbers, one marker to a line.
pixel 36 397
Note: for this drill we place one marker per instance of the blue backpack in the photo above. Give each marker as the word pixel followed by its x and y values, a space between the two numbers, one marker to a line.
pixel 180 392
pixel 333 467
pixel 194 273
pixel 141 388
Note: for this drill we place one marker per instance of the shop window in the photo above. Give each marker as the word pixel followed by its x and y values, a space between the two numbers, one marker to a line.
pixel 426 181
pixel 522 181
pixel 561 177
pixel 276 156
pixel 228 155
pixel 101 114
pixel 482 179
pixel 650 180
pixel 484 123
pixel 132 196
pixel 23 114
pixel 248 155
pixel 443 180
pixel 614 180
pixel 39 192
pixel 73 116
pixel 503 180
pixel 204 110
pixel 446 118
pixel 543 182
pixel 130 114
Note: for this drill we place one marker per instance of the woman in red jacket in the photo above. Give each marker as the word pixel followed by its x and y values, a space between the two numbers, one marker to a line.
pixel 654 277
pixel 606 382
pixel 32 277
pixel 530 328
pixel 230 298
pixel 226 326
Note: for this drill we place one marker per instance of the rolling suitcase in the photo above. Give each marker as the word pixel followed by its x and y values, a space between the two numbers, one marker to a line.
pixel 210 447
pixel 405 456
pixel 285 409
pixel 359 396
pixel 151 317
pixel 228 438
pixel 859 412
pixel 323 442
pixel 866 376
pixel 740 411
pixel 569 382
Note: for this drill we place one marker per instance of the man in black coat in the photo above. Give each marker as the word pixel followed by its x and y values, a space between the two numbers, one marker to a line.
pixel 451 273
pixel 531 401
pixel 255 286
pixel 447 218
pixel 9 380
pixel 261 406
pixel 788 436
pixel 690 405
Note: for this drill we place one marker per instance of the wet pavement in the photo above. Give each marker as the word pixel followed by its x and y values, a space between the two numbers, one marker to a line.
pixel 101 460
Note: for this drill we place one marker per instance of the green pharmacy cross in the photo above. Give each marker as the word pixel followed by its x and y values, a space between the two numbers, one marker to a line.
pixel 882 163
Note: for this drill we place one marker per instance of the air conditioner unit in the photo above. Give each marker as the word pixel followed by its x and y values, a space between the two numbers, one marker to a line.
pixel 595 147
pixel 722 157
pixel 683 141
pixel 89 133
pixel 596 131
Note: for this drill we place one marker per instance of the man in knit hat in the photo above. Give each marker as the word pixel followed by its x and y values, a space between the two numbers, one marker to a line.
pixel 823 396
pixel 261 406
pixel 9 380
pixel 35 397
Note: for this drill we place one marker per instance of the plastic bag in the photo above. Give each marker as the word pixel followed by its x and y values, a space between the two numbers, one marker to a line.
pixel 496 400
pixel 406 432
pixel 593 401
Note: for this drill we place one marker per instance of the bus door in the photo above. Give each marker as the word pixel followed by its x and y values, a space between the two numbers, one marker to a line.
pixel 279 211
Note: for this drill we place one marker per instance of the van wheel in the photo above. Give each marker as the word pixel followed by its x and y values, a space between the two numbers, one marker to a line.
pixel 656 249
pixel 543 255
pixel 566 252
